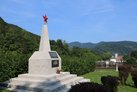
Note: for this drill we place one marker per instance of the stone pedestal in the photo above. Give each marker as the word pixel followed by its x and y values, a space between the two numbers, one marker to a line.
pixel 42 63
pixel 40 83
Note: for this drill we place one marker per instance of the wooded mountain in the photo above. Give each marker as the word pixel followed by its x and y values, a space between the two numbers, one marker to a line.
pixel 16 46
pixel 14 38
pixel 121 47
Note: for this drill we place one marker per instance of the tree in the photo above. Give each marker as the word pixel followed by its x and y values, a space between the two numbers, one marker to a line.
pixel 131 60
pixel 134 54
pixel 106 56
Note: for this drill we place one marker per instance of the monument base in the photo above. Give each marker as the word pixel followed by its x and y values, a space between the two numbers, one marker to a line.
pixel 42 83
pixel 41 63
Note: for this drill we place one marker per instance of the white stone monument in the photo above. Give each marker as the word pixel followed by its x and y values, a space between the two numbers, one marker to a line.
pixel 42 76
pixel 44 61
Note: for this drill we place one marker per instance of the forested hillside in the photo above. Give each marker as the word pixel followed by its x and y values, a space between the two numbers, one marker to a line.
pixel 14 38
pixel 121 47
pixel 17 45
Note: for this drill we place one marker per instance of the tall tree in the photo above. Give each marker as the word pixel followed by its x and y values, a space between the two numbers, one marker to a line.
pixel 134 54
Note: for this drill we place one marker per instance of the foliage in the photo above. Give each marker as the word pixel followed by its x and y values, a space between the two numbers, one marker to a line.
pixel 75 60
pixel 16 46
pixel 106 55
pixel 95 77
pixel 125 57
pixel 12 64
pixel 110 82
pixel 131 58
pixel 134 54
pixel 124 71
pixel 4 90
pixel 88 87
pixel 134 76
pixel 135 81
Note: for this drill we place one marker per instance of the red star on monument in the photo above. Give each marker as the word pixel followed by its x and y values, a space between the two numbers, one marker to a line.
pixel 45 18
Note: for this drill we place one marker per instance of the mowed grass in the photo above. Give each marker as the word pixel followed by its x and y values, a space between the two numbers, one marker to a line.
pixel 4 90
pixel 96 76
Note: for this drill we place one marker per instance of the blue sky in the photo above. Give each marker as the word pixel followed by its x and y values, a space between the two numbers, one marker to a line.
pixel 75 20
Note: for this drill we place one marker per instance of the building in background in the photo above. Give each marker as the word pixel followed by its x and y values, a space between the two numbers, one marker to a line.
pixel 117 58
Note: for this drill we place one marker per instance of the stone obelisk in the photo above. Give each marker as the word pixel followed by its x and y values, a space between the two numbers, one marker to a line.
pixel 44 42
pixel 44 61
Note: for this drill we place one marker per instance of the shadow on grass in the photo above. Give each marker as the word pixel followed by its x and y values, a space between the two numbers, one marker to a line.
pixel 3 85
pixel 130 85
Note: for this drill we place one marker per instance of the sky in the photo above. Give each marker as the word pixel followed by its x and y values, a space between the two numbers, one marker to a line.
pixel 75 20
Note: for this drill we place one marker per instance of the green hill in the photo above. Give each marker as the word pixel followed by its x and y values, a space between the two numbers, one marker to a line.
pixel 16 46
pixel 14 38
pixel 121 47
pixel 82 45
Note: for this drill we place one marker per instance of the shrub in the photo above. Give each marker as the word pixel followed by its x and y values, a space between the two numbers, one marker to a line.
pixel 131 61
pixel 12 64
pixel 124 72
pixel 134 76
pixel 77 65
pixel 88 87
pixel 111 82
pixel 135 81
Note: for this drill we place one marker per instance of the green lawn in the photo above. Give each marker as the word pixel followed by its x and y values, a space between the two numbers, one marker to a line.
pixel 96 76
pixel 4 90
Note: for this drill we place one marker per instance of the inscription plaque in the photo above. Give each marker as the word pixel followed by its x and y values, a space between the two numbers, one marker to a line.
pixel 55 63
pixel 53 55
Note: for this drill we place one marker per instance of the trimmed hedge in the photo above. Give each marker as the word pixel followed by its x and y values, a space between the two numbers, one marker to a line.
pixel 110 82
pixel 134 76
pixel 88 87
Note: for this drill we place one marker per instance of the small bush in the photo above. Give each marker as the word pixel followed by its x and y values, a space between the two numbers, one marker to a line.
pixel 88 87
pixel 124 72
pixel 131 61
pixel 134 76
pixel 77 65
pixel 135 81
pixel 111 82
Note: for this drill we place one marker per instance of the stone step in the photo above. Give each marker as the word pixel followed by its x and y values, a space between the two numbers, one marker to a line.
pixel 84 80
pixel 73 81
pixel 64 90
pixel 19 90
pixel 66 85
pixel 54 88
pixel 48 80
pixel 40 82
pixel 45 77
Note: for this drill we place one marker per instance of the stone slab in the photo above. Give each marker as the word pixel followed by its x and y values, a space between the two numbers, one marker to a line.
pixel 35 83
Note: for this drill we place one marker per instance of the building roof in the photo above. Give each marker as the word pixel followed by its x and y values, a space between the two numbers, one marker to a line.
pixel 119 58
